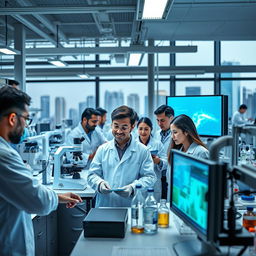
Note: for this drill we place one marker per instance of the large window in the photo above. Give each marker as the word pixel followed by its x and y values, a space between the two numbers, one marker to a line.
pixel 71 97
pixel 238 52
pixel 114 94
pixel 240 92
pixel 194 88
pixel 203 57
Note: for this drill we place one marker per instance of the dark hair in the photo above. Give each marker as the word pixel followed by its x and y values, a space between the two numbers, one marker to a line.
pixel 102 111
pixel 124 112
pixel 243 106
pixel 167 110
pixel 186 124
pixel 13 82
pixel 147 121
pixel 88 112
pixel 12 99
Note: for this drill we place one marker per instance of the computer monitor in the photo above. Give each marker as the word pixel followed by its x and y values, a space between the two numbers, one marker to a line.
pixel 197 194
pixel 209 112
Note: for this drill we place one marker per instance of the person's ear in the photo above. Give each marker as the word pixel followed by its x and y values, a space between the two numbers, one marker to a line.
pixel 12 119
pixel 132 127
pixel 84 120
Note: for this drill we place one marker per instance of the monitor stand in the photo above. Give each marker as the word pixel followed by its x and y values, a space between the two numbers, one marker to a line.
pixel 194 247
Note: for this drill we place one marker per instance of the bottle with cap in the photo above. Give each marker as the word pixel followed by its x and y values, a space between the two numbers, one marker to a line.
pixel 163 214
pixel 252 249
pixel 137 224
pixel 249 218
pixel 150 213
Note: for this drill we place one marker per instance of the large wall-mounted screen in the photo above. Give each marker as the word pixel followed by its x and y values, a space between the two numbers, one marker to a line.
pixel 209 113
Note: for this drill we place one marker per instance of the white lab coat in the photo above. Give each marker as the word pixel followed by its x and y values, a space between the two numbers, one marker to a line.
pixel 157 145
pixel 239 119
pixel 136 166
pixel 198 151
pixel 20 195
pixel 166 143
pixel 89 145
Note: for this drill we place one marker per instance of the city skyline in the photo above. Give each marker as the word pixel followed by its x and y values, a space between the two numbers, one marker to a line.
pixel 232 89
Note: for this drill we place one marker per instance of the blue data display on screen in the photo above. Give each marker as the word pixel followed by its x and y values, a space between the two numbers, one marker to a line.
pixel 205 111
pixel 190 186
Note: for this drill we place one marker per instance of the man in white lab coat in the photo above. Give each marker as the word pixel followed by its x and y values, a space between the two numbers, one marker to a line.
pixel 121 163
pixel 92 135
pixel 238 118
pixel 20 193
pixel 164 115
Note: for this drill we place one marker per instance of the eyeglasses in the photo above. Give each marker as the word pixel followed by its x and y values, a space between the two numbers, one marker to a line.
pixel 122 128
pixel 28 120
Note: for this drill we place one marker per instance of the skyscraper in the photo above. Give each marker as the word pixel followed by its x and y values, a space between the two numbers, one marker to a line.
pixel 232 89
pixel 160 99
pixel 193 90
pixel 82 106
pixel 60 109
pixel 73 115
pixel 45 107
pixel 91 102
pixel 133 101
pixel 249 99
pixel 113 100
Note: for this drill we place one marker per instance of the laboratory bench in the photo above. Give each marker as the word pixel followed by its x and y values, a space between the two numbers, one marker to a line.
pixel 175 240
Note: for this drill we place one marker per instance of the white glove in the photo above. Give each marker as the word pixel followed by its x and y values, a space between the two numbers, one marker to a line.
pixel 126 192
pixel 104 188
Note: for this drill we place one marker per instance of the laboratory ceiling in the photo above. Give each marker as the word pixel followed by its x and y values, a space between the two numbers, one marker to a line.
pixel 116 19
pixel 71 23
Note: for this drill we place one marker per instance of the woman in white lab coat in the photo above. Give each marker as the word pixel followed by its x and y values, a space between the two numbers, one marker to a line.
pixel 156 149
pixel 185 138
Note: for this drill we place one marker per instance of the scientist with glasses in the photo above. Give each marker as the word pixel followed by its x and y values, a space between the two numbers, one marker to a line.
pixel 92 135
pixel 121 163
pixel 20 194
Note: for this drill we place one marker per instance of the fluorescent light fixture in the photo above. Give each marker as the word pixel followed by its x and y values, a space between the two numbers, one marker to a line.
pixel 84 76
pixel 8 50
pixel 153 9
pixel 134 59
pixel 58 63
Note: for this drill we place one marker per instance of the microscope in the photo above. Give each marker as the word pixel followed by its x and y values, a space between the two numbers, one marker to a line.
pixel 36 151
pixel 67 167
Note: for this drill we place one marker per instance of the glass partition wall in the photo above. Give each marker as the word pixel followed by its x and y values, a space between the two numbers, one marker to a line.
pixel 75 95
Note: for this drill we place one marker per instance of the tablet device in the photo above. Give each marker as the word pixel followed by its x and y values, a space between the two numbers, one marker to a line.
pixel 117 189
pixel 154 152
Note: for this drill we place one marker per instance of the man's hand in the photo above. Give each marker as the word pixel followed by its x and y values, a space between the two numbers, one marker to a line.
pixel 126 192
pixel 70 199
pixel 156 159
pixel 91 156
pixel 104 188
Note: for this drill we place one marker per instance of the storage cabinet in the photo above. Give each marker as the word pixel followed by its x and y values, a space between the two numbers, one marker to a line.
pixel 70 226
pixel 39 224
pixel 45 234
pixel 57 233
